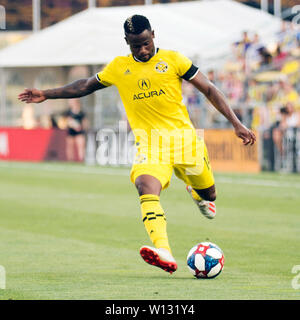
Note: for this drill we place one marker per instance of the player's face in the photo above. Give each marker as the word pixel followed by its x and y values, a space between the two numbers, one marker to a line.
pixel 141 45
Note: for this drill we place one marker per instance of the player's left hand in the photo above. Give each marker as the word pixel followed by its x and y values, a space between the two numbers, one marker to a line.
pixel 245 134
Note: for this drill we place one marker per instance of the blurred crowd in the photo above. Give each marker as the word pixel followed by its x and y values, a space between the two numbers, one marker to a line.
pixel 258 79
pixel 262 84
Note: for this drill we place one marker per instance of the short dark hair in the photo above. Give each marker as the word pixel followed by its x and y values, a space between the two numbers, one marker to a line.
pixel 136 24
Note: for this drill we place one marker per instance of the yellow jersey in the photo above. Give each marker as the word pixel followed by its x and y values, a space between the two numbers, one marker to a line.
pixel 152 96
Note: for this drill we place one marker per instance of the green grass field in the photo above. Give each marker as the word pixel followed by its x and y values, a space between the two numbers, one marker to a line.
pixel 74 232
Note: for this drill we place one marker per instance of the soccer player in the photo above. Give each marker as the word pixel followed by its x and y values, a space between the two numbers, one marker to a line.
pixel 149 82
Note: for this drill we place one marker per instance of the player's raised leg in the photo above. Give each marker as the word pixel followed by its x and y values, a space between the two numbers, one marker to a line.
pixel 200 183
pixel 204 198
pixel 154 219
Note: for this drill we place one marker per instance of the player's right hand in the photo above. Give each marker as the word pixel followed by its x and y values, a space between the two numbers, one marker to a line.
pixel 32 96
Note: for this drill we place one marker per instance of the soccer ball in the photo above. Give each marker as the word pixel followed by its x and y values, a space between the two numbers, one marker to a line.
pixel 205 260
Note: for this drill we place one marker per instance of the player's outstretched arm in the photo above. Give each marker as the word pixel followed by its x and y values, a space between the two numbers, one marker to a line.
pixel 218 100
pixel 75 89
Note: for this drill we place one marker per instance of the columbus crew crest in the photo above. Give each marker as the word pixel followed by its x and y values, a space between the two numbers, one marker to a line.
pixel 161 67
pixel 140 158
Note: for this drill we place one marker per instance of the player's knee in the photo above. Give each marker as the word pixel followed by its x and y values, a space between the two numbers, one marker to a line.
pixel 208 194
pixel 146 188
pixel 143 188
pixel 147 185
pixel 211 196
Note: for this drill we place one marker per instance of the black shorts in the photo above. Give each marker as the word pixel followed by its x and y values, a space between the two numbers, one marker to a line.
pixel 74 133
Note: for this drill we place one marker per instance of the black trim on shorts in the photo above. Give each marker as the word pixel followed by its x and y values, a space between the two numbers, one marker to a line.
pixel 190 73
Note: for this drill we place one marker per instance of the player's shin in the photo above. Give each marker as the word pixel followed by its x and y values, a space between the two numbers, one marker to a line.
pixel 154 220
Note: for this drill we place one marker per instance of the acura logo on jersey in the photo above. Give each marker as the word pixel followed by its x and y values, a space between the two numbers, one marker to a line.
pixel 149 94
pixel 144 84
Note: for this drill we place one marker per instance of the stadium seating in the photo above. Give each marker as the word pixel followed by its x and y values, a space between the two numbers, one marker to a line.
pixel 19 12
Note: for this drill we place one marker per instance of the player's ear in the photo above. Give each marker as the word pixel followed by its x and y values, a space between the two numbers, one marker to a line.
pixel 152 33
pixel 126 40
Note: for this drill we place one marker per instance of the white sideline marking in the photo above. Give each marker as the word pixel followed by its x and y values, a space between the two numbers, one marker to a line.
pixel 256 182
pixel 62 168
pixel 126 172
pixel 88 196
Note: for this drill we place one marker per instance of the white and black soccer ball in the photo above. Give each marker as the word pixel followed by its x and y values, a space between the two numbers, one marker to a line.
pixel 205 260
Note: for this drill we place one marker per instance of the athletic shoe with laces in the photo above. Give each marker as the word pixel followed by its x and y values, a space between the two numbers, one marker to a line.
pixel 160 258
pixel 207 208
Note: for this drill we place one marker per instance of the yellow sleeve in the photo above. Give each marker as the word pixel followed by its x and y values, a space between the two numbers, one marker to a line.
pixel 183 64
pixel 108 75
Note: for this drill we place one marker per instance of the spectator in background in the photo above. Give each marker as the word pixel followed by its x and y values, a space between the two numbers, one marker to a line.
pixel 289 118
pixel 211 76
pixel 28 117
pixel 298 37
pixel 216 77
pixel 245 42
pixel 233 87
pixel 54 123
pixel 266 57
pixel 283 33
pixel 252 56
pixel 76 129
pixel 240 47
pixel 288 94
pixel 280 57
